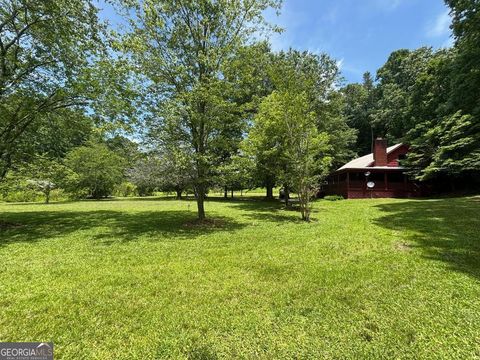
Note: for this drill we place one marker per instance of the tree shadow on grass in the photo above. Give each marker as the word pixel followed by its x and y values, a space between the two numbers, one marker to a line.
pixel 255 208
pixel 446 230
pixel 263 210
pixel 110 227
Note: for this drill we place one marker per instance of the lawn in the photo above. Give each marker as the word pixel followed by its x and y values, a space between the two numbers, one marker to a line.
pixel 140 279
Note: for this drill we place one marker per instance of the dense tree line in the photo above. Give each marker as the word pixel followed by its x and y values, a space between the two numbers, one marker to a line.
pixel 430 100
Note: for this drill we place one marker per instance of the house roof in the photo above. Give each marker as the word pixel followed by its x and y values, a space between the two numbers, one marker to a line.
pixel 366 162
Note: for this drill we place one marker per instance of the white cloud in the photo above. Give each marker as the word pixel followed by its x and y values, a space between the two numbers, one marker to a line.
pixel 441 25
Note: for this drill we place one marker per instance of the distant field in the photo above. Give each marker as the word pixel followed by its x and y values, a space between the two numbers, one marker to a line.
pixel 140 279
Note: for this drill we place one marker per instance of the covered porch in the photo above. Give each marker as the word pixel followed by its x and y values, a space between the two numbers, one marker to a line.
pixel 387 182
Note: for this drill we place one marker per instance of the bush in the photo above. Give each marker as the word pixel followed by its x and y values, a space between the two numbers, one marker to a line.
pixel 333 197
pixel 97 170
pixel 125 189
pixel 27 195
pixel 60 195
pixel 31 195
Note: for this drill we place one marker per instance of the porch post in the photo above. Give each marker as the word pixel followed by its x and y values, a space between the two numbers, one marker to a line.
pixel 385 179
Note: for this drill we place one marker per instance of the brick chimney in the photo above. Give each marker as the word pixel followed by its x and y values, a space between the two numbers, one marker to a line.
pixel 380 152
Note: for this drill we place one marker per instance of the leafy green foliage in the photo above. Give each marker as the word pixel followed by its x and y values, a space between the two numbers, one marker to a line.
pixel 458 149
pixel 318 76
pixel 236 174
pixel 125 189
pixel 47 52
pixel 96 170
pixel 39 177
pixel 466 72
pixel 184 50
pixel 358 105
pixel 302 146
pixel 44 175
pixel 145 175
pixel 299 128
pixel 392 116
pixel 333 197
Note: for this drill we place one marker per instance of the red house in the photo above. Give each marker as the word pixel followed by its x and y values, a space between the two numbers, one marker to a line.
pixel 376 175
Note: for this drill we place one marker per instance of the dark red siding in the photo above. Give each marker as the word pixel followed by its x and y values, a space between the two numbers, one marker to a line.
pixel 352 184
pixel 393 156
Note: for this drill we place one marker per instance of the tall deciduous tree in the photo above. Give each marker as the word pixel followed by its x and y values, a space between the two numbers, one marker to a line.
pixel 44 174
pixel 466 79
pixel 184 48
pixel 358 105
pixel 318 76
pixel 47 49
pixel 392 116
pixel 237 174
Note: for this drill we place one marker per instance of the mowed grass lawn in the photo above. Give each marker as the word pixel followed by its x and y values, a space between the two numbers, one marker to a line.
pixel 138 279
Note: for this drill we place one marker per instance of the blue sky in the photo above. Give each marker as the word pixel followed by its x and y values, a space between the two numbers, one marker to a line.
pixel 360 34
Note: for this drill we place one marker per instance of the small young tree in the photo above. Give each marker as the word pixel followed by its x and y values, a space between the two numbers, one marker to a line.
pixel 97 170
pixel 44 174
pixel 300 142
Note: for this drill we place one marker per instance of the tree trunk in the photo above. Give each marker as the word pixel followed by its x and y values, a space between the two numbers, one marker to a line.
pixel 269 190
pixel 286 193
pixel 5 164
pixel 225 192
pixel 372 139
pixel 200 202
pixel 304 202
pixel 199 137
pixel 179 194
pixel 47 197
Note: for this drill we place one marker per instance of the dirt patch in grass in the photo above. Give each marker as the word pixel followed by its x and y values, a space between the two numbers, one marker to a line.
pixel 402 246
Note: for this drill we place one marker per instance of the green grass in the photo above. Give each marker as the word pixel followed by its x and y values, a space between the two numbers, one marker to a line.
pixel 139 279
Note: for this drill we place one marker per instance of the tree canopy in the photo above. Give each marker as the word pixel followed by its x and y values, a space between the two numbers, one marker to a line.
pixel 185 51
pixel 47 51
